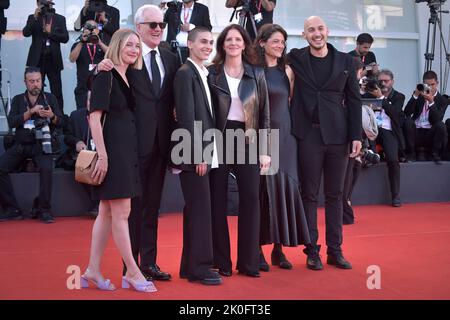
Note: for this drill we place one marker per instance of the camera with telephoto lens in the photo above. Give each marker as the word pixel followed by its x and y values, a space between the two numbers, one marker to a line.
pixel 372 84
pixel 92 37
pixel 424 88
pixel 45 6
pixel 42 133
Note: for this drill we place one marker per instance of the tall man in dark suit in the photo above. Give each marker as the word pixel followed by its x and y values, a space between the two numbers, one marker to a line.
pixel 390 133
pixel 424 127
pixel 153 91
pixel 182 18
pixel 195 114
pixel 48 30
pixel 326 119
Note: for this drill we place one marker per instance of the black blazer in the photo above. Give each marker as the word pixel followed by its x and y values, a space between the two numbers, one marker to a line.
pixel 199 18
pixel 58 35
pixel 154 114
pixel 414 108
pixel 76 128
pixel 338 100
pixel 113 16
pixel 393 106
pixel 4 4
pixel 191 104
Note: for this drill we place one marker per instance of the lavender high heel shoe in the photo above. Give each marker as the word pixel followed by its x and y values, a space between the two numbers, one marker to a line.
pixel 101 285
pixel 141 286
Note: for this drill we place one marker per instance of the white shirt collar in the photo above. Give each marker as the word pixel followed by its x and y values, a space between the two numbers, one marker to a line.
pixel 146 50
pixel 201 69
pixel 191 8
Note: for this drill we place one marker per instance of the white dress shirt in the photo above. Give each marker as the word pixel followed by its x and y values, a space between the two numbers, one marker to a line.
pixel 183 35
pixel 147 56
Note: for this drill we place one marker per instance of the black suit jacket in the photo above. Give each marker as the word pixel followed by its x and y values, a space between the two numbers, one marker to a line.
pixel 393 106
pixel 58 35
pixel 154 114
pixel 113 16
pixel 199 18
pixel 4 4
pixel 76 128
pixel 414 108
pixel 338 100
pixel 191 104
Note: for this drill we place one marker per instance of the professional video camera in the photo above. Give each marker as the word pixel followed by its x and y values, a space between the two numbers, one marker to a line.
pixel 97 5
pixel 46 7
pixel 92 37
pixel 42 133
pixel 432 3
pixel 372 84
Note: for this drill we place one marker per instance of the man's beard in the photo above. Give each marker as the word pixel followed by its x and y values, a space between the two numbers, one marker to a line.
pixel 34 92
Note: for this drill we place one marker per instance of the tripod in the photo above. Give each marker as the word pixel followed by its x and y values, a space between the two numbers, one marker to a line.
pixel 435 24
pixel 245 14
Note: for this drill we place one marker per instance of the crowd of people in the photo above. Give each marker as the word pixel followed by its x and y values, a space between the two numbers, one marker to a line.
pixel 254 108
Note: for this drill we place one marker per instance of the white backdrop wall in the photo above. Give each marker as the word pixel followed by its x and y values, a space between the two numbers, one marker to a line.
pixel 399 27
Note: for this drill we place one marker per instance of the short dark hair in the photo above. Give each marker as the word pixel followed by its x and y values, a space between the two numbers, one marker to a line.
pixel 430 75
pixel 193 34
pixel 364 38
pixel 29 70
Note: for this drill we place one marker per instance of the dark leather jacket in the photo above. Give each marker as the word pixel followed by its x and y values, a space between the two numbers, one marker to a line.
pixel 253 94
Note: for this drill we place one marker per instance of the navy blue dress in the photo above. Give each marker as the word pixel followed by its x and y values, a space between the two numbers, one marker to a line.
pixel 111 94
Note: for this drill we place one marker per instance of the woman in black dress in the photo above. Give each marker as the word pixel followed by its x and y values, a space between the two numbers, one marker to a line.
pixel 283 220
pixel 241 105
pixel 117 166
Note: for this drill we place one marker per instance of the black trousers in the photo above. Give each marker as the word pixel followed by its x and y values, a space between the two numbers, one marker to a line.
pixel 390 145
pixel 81 92
pixel 143 220
pixel 432 139
pixel 11 160
pixel 248 180
pixel 315 157
pixel 54 78
pixel 197 257
pixel 351 176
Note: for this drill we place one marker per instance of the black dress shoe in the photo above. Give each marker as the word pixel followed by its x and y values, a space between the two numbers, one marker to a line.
pixel 339 261
pixel 263 265
pixel 313 262
pixel 11 214
pixel 279 259
pixel 153 272
pixel 46 217
pixel 210 279
pixel 396 202
pixel 225 273
pixel 252 274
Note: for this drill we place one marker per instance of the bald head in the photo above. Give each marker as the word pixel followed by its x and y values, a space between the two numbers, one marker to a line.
pixel 316 33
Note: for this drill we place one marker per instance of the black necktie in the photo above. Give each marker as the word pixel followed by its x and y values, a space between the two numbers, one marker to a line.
pixel 156 76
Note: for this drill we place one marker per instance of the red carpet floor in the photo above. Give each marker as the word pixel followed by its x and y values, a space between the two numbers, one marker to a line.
pixel 411 245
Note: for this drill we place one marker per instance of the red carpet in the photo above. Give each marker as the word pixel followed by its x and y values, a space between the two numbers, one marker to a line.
pixel 411 245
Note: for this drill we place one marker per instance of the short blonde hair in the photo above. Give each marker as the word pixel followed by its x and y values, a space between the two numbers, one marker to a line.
pixel 116 45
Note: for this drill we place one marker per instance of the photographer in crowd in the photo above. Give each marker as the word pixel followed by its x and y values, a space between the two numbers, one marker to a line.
pixel 181 18
pixel 390 119
pixel 424 127
pixel 261 10
pixel 48 30
pixel 87 52
pixel 35 115
pixel 106 17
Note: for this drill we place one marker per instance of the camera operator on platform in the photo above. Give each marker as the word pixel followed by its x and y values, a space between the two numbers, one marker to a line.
pixel 48 30
pixel 35 115
pixel 181 18
pixel 390 121
pixel 106 17
pixel 262 11
pixel 87 52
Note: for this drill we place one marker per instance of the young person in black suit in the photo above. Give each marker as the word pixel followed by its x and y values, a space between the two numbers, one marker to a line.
pixel 48 30
pixel 424 127
pixel 195 114
pixel 182 18
pixel 390 133
pixel 153 92
pixel 326 119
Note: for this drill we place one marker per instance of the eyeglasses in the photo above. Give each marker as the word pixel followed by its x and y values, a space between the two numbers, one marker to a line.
pixel 153 25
